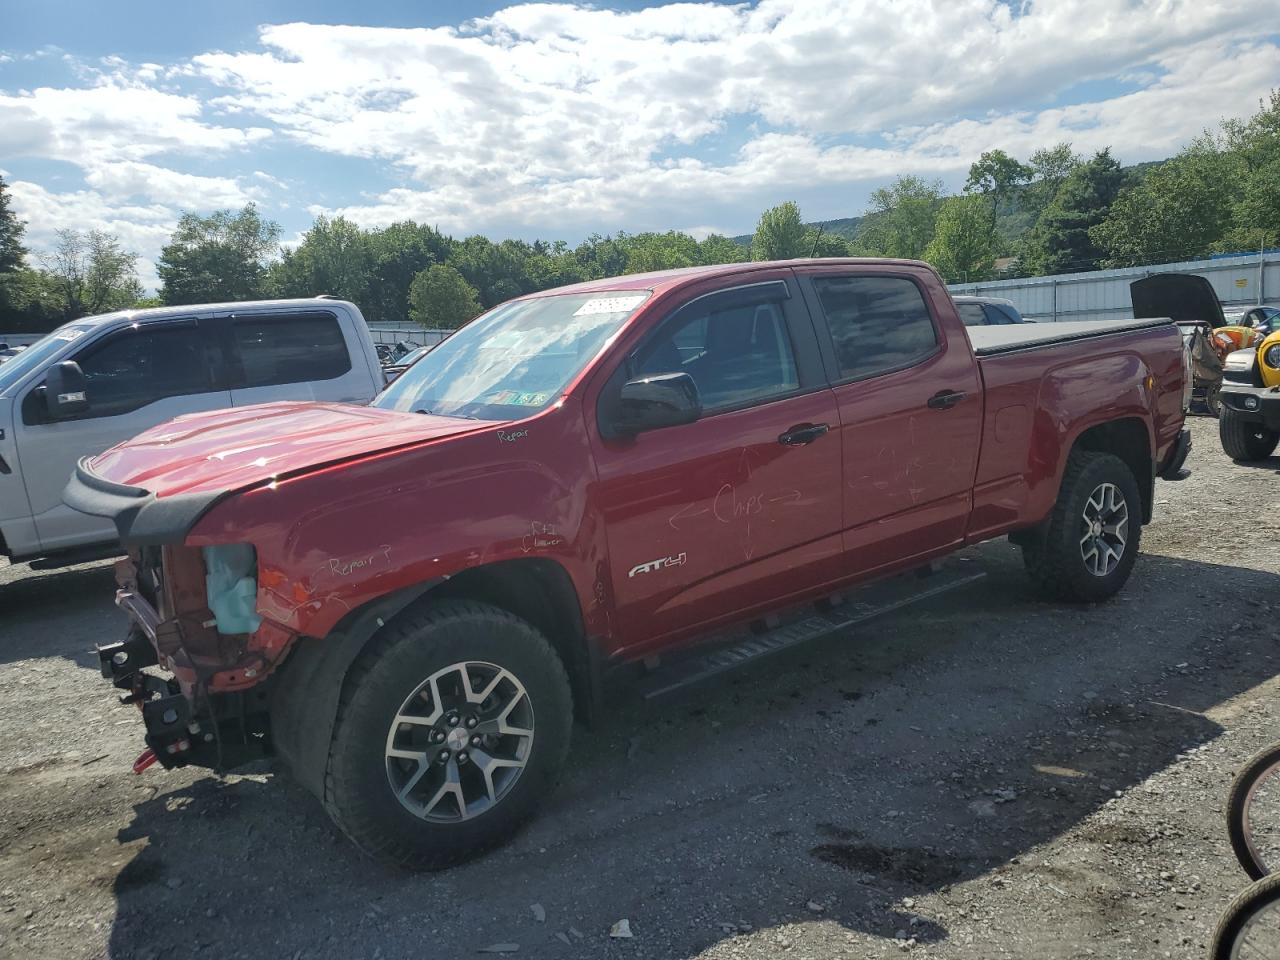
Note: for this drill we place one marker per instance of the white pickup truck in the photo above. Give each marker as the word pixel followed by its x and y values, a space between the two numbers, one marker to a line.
pixel 98 381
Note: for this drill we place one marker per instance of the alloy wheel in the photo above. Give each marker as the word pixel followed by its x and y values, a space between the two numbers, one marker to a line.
pixel 1105 529
pixel 459 742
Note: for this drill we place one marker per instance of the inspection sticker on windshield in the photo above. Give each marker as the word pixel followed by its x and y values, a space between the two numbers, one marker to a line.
pixel 73 334
pixel 609 305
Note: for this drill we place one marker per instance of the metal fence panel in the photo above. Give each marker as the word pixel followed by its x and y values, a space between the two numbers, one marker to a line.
pixel 1240 281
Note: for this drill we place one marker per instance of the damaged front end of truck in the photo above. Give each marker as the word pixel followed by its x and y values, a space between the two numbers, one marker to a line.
pixel 192 615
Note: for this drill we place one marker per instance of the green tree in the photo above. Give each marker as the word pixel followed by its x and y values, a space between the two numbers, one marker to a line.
pixel 12 259
pixel 1060 241
pixel 819 243
pixel 602 256
pixel 661 251
pixel 717 248
pixel 495 270
pixel 1177 212
pixel 221 257
pixel 1049 167
pixel 780 234
pixel 93 273
pixel 333 258
pixel 995 176
pixel 1253 147
pixel 964 244
pixel 903 218
pixel 12 253
pixel 441 298
pixel 397 254
pixel 32 302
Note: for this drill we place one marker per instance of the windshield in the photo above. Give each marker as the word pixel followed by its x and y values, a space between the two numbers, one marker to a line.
pixel 29 359
pixel 513 361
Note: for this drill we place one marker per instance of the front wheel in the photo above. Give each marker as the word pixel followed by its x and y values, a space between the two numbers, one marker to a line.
pixel 1245 439
pixel 452 727
pixel 1253 813
pixel 1091 543
pixel 1250 926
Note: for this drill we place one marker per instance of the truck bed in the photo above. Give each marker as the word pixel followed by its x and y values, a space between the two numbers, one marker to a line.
pixel 993 340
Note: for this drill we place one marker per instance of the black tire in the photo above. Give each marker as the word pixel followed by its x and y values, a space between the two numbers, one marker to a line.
pixel 1244 439
pixel 1237 803
pixel 1213 401
pixel 425 639
pixel 1056 562
pixel 1253 900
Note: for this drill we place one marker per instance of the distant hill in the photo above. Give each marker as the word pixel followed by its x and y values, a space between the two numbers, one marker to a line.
pixel 846 227
pixel 1015 217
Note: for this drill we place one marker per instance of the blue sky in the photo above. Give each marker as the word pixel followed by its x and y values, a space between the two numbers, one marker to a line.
pixel 556 120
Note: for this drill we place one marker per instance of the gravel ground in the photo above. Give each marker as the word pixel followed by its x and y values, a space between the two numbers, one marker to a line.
pixel 983 776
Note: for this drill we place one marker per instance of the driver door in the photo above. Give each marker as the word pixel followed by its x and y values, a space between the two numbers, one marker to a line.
pixel 136 377
pixel 710 521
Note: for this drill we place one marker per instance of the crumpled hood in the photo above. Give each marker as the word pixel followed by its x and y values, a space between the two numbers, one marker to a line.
pixel 240 447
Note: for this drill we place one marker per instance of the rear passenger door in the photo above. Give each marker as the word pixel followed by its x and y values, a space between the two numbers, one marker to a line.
pixel 293 356
pixel 910 415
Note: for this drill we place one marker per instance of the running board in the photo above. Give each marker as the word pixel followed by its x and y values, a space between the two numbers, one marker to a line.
pixel 863 605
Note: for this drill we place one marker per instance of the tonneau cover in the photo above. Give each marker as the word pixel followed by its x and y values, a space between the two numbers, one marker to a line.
pixel 1007 338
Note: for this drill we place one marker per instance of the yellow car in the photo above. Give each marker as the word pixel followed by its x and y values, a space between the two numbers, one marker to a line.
pixel 1249 424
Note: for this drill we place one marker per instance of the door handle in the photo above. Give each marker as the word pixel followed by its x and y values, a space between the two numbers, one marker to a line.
pixel 945 399
pixel 803 433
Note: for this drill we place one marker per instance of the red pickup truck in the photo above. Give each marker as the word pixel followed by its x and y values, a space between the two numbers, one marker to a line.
pixel 409 601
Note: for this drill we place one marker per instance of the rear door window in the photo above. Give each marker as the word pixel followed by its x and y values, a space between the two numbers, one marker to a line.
pixel 877 324
pixel 296 349
pixel 972 314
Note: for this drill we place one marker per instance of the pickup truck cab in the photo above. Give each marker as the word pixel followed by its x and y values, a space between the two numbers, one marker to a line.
pixel 115 375
pixel 408 601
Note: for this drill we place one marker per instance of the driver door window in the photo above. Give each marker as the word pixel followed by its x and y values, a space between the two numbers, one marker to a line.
pixel 737 356
pixel 140 367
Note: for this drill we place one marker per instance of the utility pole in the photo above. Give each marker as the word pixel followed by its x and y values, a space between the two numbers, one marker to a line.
pixel 1262 263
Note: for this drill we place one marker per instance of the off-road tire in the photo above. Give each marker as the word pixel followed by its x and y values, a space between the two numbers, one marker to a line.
pixel 1250 901
pixel 1243 439
pixel 1238 799
pixel 423 639
pixel 1054 561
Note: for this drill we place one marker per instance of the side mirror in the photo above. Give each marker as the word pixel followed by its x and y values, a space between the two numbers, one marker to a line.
pixel 65 390
pixel 661 400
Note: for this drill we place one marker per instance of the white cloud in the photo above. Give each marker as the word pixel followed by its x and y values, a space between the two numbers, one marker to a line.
pixel 555 118
pixel 112 121
pixel 551 116
pixel 142 229
pixel 128 178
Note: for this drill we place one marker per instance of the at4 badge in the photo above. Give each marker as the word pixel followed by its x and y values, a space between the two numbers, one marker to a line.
pixel 658 564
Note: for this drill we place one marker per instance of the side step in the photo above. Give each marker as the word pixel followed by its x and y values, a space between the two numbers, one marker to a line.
pixel 743 646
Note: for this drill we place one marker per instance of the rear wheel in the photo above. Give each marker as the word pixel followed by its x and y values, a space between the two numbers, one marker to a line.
pixel 1244 439
pixel 452 727
pixel 1091 543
